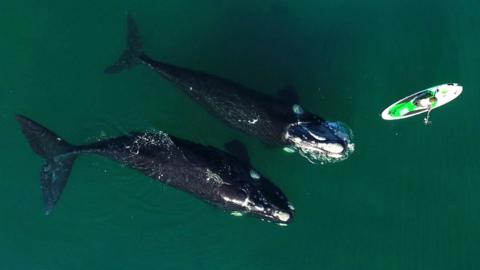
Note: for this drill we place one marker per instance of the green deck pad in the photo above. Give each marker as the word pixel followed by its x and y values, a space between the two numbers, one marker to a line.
pixel 402 107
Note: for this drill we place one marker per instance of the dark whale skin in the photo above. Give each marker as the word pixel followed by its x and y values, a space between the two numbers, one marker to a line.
pixel 247 110
pixel 207 173
pixel 259 115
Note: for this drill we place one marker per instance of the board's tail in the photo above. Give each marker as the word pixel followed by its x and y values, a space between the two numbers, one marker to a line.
pixel 134 48
pixel 59 157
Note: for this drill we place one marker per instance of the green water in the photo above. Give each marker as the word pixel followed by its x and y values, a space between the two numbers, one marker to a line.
pixel 407 198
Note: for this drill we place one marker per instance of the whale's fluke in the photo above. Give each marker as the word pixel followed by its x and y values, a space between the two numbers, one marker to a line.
pixel 134 48
pixel 59 157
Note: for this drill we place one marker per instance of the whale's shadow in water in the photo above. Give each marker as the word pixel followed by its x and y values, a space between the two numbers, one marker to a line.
pixel 268 48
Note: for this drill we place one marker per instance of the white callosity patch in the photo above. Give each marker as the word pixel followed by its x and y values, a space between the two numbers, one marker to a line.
pixel 254 174
pixel 282 216
pixel 291 206
pixel 334 148
pixel 259 208
pixel 247 204
pixel 320 150
pixel 297 140
pixel 244 203
pixel 316 136
pixel 297 109
pixel 324 152
pixel 253 121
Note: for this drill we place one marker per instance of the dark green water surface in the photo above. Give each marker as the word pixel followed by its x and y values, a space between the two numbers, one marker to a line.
pixel 407 198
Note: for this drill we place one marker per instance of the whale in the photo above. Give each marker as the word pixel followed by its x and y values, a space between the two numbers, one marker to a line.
pixel 216 177
pixel 267 118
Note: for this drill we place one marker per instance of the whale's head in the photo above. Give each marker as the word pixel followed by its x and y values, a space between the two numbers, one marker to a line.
pixel 319 140
pixel 257 196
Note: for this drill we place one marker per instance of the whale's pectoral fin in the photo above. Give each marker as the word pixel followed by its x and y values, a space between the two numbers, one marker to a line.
pixel 288 95
pixel 58 155
pixel 238 150
pixel 134 48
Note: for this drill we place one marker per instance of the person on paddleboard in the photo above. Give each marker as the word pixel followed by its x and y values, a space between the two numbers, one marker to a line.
pixel 426 100
pixel 422 102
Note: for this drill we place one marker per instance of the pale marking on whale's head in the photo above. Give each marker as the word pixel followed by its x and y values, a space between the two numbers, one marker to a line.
pixel 254 174
pixel 297 109
pixel 320 141
pixel 259 198
pixel 253 121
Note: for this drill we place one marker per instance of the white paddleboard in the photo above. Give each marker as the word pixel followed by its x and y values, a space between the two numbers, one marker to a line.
pixel 422 101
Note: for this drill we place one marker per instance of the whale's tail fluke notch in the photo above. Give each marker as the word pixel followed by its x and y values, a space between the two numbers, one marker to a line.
pixel 59 157
pixel 134 48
